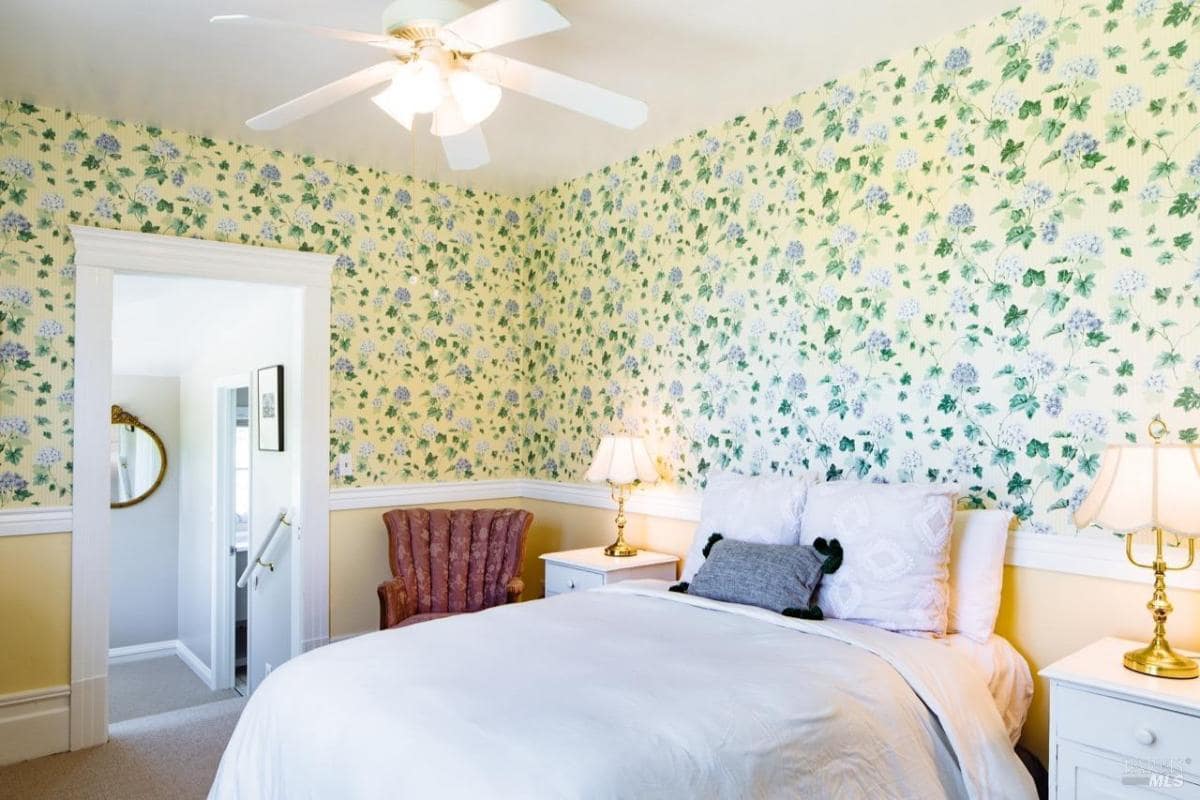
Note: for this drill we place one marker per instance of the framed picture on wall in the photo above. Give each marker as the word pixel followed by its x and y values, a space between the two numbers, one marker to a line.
pixel 270 408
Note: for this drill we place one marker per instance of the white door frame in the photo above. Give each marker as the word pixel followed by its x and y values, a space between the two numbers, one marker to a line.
pixel 99 255
pixel 224 610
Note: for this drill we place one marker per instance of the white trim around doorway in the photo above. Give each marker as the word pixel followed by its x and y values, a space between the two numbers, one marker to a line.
pixel 99 255
pixel 224 616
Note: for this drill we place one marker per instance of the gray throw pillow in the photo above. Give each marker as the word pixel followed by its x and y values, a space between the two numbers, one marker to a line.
pixel 777 577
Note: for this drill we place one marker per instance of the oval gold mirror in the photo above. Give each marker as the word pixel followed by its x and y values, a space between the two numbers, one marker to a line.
pixel 138 459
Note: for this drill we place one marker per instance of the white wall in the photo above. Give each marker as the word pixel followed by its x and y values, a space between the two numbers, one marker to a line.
pixel 145 537
pixel 261 335
pixel 200 331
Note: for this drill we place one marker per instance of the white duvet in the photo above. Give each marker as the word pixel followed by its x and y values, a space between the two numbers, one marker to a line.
pixel 625 692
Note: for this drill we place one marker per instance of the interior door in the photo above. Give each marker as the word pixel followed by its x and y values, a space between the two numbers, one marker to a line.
pixel 270 591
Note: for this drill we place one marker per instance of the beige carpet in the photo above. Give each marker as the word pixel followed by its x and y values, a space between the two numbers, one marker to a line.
pixel 154 685
pixel 171 756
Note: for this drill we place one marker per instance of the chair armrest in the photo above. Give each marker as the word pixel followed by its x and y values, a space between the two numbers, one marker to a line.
pixel 513 589
pixel 393 603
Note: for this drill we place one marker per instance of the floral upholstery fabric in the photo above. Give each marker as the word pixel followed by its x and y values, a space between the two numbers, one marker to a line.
pixel 449 561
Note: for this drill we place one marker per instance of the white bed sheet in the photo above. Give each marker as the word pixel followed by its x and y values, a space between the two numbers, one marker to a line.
pixel 1006 673
pixel 625 692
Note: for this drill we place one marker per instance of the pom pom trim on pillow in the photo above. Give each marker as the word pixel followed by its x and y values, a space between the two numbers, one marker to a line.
pixel 732 584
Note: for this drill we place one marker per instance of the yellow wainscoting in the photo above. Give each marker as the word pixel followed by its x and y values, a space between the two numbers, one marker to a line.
pixel 358 550
pixel 1047 615
pixel 1044 614
pixel 358 563
pixel 35 611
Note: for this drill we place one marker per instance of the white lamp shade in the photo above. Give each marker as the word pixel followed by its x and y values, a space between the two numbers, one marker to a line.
pixel 622 460
pixel 396 105
pixel 476 98
pixel 418 88
pixel 1145 486
pixel 448 120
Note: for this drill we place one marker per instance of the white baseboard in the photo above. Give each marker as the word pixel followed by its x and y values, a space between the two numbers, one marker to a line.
pixel 313 644
pixel 89 711
pixel 137 652
pixel 202 670
pixel 34 723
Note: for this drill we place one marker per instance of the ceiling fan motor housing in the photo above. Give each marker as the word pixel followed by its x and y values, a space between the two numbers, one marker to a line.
pixel 420 19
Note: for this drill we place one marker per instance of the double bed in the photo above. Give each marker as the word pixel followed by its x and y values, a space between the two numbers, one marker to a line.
pixel 632 691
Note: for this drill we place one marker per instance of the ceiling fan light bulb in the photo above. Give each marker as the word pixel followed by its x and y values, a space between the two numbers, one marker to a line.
pixel 423 82
pixel 476 98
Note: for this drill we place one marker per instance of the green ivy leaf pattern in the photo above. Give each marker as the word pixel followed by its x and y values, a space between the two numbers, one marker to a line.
pixel 975 263
pixel 429 307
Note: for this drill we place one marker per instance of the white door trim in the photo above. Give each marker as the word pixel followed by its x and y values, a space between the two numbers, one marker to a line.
pixel 224 616
pixel 99 255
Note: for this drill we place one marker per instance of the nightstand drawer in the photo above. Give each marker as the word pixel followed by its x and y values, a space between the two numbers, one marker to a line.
pixel 560 579
pixel 1084 775
pixel 1122 727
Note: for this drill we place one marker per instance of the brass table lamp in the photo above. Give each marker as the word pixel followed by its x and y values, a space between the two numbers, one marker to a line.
pixel 1150 487
pixel 622 462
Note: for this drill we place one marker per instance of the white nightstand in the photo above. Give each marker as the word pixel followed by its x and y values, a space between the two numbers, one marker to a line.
pixel 1115 733
pixel 576 570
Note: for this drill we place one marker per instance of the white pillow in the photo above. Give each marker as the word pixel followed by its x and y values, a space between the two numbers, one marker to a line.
pixel 977 572
pixel 896 538
pixel 752 508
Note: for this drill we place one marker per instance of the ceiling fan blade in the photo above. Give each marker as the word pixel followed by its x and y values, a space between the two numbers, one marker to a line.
pixel 506 21
pixel 466 150
pixel 375 39
pixel 326 95
pixel 553 87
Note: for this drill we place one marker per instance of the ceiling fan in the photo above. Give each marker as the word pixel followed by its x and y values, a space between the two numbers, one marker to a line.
pixel 444 69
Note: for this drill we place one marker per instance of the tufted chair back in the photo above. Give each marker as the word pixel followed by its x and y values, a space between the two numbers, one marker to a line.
pixel 448 561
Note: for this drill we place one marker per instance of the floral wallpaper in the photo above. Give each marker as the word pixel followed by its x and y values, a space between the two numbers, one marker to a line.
pixel 428 307
pixel 976 263
pixel 973 263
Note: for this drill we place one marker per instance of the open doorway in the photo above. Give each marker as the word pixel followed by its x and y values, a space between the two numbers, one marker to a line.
pixel 188 484
pixel 297 591
pixel 101 256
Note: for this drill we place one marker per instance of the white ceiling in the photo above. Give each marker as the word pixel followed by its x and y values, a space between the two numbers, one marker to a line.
pixel 695 63
pixel 162 325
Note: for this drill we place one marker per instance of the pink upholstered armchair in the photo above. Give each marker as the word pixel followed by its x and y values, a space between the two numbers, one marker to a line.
pixel 448 561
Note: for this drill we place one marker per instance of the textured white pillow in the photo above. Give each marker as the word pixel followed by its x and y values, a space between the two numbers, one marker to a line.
pixel 896 537
pixel 752 508
pixel 977 572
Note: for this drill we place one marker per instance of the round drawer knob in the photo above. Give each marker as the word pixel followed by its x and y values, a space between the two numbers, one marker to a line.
pixel 1144 736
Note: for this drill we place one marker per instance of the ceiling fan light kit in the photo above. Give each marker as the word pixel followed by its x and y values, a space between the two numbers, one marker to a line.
pixel 443 69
